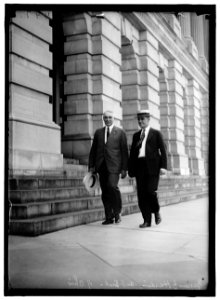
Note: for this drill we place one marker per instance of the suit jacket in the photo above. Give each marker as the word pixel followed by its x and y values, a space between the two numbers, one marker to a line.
pixel 155 153
pixel 114 152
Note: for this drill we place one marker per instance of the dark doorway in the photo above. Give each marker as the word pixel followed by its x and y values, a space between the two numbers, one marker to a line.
pixel 58 69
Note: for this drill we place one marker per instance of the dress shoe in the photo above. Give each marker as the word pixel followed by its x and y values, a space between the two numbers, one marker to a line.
pixel 158 218
pixel 117 220
pixel 107 222
pixel 145 224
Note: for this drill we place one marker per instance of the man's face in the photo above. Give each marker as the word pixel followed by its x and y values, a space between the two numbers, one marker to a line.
pixel 108 118
pixel 143 121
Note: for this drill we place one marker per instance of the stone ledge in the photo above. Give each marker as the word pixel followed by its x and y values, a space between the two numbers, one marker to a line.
pixel 33 162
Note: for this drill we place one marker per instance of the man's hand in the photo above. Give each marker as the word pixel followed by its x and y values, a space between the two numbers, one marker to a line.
pixel 92 170
pixel 123 174
pixel 163 171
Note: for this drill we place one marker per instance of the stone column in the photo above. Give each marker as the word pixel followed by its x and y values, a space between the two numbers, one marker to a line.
pixel 78 108
pixel 93 78
pixel 205 129
pixel 165 112
pixel 149 74
pixel 34 139
pixel 179 159
pixel 206 38
pixel 198 37
pixel 185 22
pixel 130 79
pixel 192 122
pixel 107 78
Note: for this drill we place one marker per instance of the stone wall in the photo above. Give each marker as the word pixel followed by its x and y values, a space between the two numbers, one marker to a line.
pixel 34 140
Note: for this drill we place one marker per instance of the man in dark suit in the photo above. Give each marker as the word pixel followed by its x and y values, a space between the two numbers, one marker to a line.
pixel 109 158
pixel 147 161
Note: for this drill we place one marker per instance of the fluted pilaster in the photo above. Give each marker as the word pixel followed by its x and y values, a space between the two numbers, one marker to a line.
pixel 165 112
pixel 192 117
pixel 206 38
pixel 185 23
pixel 197 28
pixel 175 120
pixel 149 74
pixel 205 129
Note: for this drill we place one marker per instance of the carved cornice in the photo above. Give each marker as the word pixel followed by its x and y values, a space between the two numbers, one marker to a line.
pixel 170 44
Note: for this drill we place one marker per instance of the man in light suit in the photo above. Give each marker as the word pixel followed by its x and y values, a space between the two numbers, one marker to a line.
pixel 147 161
pixel 109 158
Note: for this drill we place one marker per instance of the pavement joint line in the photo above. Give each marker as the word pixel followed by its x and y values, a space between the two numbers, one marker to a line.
pixel 88 250
pixel 191 256
pixel 190 240
pixel 197 258
pixel 85 248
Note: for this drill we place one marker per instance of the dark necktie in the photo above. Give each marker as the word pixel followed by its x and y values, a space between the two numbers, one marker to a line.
pixel 142 136
pixel 107 133
pixel 141 139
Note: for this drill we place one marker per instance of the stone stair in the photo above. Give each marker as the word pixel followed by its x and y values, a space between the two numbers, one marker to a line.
pixel 57 200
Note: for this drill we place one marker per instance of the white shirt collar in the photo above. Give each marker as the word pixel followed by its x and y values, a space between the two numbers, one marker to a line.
pixel 146 129
pixel 110 128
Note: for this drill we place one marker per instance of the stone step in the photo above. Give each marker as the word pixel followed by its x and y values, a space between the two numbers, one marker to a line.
pixel 53 206
pixel 45 204
pixel 55 193
pixel 36 209
pixel 21 183
pixel 78 190
pixel 41 195
pixel 181 197
pixel 68 170
pixel 165 193
pixel 46 224
pixel 182 181
pixel 29 196
pixel 72 161
pixel 39 183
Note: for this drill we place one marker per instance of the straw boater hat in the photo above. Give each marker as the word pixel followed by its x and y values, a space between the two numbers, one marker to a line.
pixel 91 181
pixel 145 112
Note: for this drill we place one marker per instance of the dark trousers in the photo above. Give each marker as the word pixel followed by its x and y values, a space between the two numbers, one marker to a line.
pixel 147 191
pixel 111 196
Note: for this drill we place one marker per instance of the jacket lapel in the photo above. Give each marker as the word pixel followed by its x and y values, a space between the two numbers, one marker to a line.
pixel 150 134
pixel 139 135
pixel 103 135
pixel 114 130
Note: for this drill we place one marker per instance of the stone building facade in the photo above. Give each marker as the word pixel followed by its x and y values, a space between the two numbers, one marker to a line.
pixel 67 67
pixel 119 61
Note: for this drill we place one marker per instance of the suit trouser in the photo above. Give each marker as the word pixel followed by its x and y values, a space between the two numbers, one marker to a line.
pixel 147 191
pixel 111 196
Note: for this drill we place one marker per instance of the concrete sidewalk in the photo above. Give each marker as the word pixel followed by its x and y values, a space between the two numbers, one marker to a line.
pixel 170 256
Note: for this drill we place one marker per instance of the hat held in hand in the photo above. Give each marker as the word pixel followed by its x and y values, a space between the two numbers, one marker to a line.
pixel 91 181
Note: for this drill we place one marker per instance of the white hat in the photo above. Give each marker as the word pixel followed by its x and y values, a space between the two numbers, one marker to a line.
pixel 144 112
pixel 91 181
